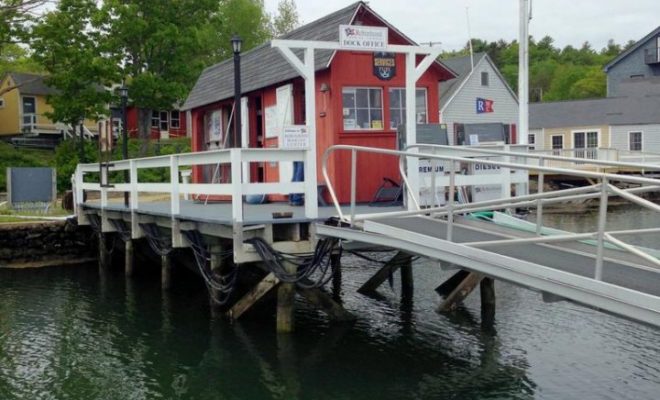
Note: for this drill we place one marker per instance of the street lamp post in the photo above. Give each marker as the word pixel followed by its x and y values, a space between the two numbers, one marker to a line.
pixel 123 94
pixel 236 47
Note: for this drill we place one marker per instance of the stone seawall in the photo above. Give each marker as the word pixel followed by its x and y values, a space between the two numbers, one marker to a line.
pixel 40 244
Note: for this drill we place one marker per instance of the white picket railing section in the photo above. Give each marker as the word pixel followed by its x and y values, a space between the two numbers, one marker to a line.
pixel 235 189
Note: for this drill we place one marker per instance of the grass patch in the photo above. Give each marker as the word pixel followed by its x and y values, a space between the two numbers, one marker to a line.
pixel 12 157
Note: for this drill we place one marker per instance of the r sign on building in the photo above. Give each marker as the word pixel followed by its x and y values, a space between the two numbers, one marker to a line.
pixel 358 37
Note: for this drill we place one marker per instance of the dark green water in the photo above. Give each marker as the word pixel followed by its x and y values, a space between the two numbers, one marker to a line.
pixel 70 333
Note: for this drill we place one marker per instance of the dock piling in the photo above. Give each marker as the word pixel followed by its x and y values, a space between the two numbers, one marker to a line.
pixel 335 264
pixel 216 269
pixel 286 302
pixel 129 263
pixel 166 272
pixel 104 253
pixel 407 286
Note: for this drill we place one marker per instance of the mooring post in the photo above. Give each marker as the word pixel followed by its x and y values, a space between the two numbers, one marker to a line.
pixel 128 258
pixel 104 254
pixel 216 269
pixel 335 264
pixel 407 287
pixel 487 289
pixel 285 302
pixel 166 272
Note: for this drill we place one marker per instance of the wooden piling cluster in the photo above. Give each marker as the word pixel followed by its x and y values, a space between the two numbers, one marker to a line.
pixel 454 290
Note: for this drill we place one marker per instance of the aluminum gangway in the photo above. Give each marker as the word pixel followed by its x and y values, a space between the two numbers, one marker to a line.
pixel 598 269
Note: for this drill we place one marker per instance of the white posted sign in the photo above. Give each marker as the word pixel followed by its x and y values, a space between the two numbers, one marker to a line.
pixel 295 137
pixel 358 37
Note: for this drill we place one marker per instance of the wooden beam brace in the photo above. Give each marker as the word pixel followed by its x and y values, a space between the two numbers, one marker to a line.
pixel 325 303
pixel 381 276
pixel 461 291
pixel 253 296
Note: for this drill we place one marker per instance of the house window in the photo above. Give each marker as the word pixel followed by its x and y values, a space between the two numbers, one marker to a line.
pixel 362 108
pixel 585 144
pixel 557 144
pixel 174 119
pixel 531 140
pixel 155 119
pixel 2 102
pixel 398 107
pixel 484 78
pixel 163 121
pixel 635 141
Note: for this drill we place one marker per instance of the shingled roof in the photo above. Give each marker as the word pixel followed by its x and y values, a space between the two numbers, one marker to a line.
pixel 607 111
pixel 264 66
pixel 462 66
pixel 31 84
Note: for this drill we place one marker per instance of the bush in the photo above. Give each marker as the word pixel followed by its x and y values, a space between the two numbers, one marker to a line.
pixel 67 158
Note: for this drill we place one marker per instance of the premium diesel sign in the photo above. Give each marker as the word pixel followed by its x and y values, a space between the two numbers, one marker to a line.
pixel 355 37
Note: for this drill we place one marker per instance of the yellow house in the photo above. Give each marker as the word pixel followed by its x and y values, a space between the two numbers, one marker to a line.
pixel 23 105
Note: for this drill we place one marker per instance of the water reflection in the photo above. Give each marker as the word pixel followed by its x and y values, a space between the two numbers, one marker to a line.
pixel 74 333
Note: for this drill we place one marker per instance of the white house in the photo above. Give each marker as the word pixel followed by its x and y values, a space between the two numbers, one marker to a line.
pixel 478 99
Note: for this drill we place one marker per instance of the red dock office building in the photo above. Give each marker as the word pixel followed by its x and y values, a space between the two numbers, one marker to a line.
pixel 360 100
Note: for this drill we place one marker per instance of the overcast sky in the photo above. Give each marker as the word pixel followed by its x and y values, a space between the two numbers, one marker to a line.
pixel 567 21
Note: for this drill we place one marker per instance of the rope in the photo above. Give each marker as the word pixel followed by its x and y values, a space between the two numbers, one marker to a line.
pixel 318 264
pixel 159 244
pixel 220 286
pixel 122 231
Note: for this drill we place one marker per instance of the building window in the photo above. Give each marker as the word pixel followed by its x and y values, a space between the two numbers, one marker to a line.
pixel 557 144
pixel 531 141
pixel 635 141
pixel 2 102
pixel 398 107
pixel 174 119
pixel 155 119
pixel 484 78
pixel 362 108
pixel 585 144
pixel 163 120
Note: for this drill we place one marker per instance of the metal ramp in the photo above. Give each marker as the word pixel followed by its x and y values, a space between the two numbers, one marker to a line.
pixel 630 287
pixel 597 269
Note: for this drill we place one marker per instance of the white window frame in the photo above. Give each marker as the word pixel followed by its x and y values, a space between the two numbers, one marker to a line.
pixel 177 119
pixel 166 121
pixel 585 152
pixel 155 119
pixel 556 151
pixel 487 74
pixel 403 110
pixel 641 140
pixel 531 140
pixel 382 109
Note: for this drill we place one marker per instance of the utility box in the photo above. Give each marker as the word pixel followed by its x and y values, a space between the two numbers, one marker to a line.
pixel 31 188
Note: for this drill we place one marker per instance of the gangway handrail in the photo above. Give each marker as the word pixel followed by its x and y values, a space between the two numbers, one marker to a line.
pixel 605 189
pixel 537 156
pixel 511 165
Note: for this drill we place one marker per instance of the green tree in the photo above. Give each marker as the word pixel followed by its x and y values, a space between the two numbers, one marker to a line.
pixel 68 44
pixel 245 18
pixel 161 46
pixel 286 18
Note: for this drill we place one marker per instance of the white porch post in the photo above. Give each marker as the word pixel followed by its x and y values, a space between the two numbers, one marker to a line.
pixel 311 200
pixel 306 69
pixel 412 163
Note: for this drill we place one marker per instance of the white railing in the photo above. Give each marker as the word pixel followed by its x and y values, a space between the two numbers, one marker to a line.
pixel 602 190
pixel 235 189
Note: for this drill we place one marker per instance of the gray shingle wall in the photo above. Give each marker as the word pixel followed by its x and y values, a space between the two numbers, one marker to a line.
pixel 650 136
pixel 462 109
pixel 632 64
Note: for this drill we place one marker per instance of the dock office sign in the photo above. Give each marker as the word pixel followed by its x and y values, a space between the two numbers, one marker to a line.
pixel 358 37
